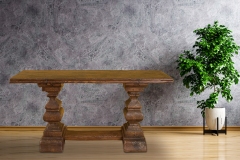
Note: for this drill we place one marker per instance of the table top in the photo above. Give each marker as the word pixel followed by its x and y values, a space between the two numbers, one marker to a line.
pixel 91 76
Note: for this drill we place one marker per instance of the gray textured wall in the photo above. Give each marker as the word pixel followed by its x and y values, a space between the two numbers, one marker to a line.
pixel 106 34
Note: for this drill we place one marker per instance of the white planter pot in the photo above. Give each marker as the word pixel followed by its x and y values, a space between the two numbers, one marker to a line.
pixel 211 118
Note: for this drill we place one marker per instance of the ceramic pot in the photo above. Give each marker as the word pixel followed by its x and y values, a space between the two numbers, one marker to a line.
pixel 211 118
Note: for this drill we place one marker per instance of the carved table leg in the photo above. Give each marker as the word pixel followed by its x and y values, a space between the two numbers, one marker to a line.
pixel 133 138
pixel 53 136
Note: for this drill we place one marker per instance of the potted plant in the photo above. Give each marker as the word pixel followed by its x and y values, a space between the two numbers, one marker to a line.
pixel 209 66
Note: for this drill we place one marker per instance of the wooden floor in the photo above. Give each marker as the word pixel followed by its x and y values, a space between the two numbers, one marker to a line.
pixel 164 145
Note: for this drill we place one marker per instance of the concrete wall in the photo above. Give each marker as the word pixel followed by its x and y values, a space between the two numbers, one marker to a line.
pixel 107 35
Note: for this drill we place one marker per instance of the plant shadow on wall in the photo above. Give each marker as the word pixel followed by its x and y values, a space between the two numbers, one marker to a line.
pixel 210 66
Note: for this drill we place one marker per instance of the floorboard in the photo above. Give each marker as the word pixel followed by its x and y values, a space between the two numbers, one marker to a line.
pixel 164 145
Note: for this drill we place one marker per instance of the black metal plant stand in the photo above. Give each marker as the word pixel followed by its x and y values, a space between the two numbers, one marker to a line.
pixel 215 131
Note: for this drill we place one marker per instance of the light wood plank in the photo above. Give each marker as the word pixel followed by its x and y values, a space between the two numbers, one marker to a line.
pixel 165 145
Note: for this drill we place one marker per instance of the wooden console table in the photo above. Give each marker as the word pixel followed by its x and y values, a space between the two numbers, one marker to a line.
pixel 51 81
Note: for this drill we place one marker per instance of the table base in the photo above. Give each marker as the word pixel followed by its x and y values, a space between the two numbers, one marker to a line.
pixel 56 144
pixel 56 132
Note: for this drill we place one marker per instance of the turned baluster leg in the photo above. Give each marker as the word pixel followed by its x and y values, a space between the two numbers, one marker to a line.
pixel 53 135
pixel 133 138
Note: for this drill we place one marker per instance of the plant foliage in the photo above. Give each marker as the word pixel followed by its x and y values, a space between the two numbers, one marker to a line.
pixel 211 65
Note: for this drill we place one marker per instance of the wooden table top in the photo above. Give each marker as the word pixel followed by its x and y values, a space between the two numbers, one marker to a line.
pixel 91 76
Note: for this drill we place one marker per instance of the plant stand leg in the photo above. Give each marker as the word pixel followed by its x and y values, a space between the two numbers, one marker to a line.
pixel 203 125
pixel 133 138
pixel 217 126
pixel 225 125
pixel 53 136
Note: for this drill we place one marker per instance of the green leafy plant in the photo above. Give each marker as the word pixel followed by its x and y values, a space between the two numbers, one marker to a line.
pixel 210 65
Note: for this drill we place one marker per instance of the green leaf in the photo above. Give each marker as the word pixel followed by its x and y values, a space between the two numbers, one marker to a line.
pixel 210 65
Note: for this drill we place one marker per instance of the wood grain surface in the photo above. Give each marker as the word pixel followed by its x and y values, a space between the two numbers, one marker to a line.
pixel 93 135
pixel 162 145
pixel 52 81
pixel 91 76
